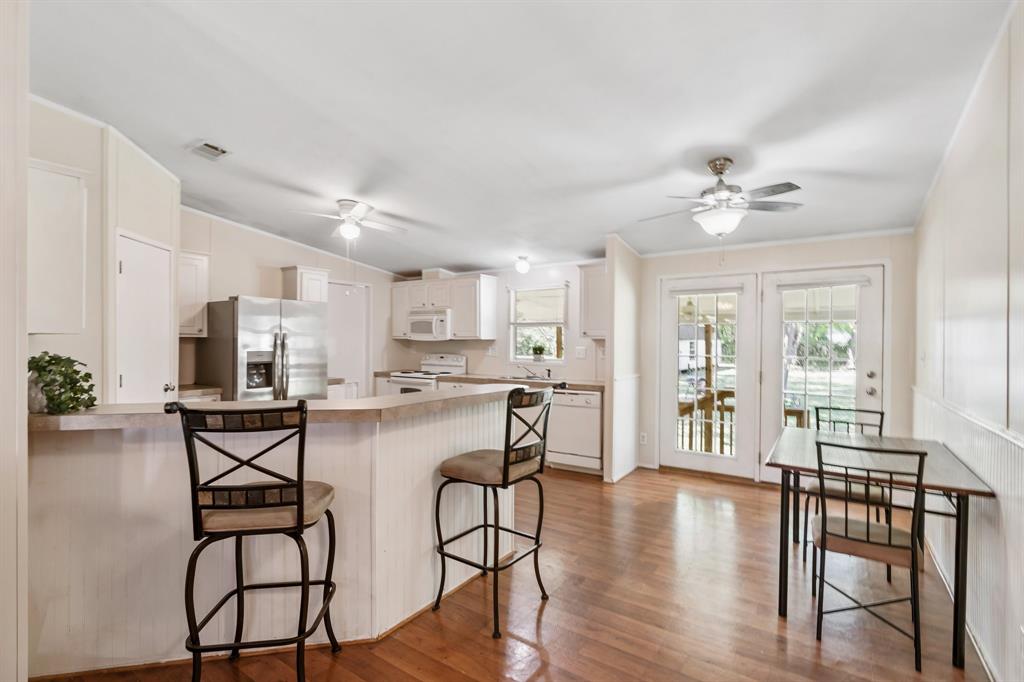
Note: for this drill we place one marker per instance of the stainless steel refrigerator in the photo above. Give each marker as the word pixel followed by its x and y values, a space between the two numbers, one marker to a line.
pixel 265 349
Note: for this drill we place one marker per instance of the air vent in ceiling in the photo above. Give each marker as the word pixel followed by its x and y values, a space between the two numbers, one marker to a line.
pixel 209 151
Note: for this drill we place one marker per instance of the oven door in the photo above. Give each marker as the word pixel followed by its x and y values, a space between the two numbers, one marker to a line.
pixel 410 385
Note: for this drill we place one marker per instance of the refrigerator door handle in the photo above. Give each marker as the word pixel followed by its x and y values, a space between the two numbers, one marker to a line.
pixel 275 379
pixel 284 366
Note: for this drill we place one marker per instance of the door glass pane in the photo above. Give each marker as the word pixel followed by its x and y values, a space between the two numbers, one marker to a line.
pixel 706 336
pixel 819 350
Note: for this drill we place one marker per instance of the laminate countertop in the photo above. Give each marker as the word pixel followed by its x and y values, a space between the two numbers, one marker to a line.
pixel 571 385
pixel 198 391
pixel 378 409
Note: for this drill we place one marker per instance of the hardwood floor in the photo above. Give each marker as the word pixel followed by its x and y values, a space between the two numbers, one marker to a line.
pixel 662 576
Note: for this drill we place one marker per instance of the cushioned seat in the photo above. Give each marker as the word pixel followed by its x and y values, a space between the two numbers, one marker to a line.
pixel 484 467
pixel 876 493
pixel 856 544
pixel 316 498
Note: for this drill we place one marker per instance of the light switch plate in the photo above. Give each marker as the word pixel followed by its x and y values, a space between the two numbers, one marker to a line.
pixel 643 438
pixel 581 352
pixel 492 350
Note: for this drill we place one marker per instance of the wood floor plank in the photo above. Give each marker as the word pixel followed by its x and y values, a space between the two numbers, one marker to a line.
pixel 663 576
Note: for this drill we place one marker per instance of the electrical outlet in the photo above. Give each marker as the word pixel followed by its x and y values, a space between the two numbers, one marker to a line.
pixel 492 350
pixel 643 438
pixel 581 352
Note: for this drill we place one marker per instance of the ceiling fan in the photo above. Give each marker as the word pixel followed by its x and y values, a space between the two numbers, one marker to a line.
pixel 720 208
pixel 353 216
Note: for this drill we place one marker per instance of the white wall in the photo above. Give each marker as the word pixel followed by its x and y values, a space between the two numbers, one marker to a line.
pixel 14 127
pixel 492 357
pixel 247 262
pixel 894 251
pixel 970 344
pixel 61 137
pixel 622 404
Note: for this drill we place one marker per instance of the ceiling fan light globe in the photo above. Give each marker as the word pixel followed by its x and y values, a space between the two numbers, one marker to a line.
pixel 349 229
pixel 522 265
pixel 719 222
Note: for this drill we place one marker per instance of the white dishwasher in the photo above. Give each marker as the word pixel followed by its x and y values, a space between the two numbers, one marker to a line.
pixel 574 430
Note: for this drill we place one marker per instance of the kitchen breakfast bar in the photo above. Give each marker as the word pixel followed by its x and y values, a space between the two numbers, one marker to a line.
pixel 110 524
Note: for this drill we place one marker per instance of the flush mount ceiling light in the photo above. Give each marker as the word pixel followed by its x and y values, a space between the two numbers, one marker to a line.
pixel 719 222
pixel 720 208
pixel 522 265
pixel 348 228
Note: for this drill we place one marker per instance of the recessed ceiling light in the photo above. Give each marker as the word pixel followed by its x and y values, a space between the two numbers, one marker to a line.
pixel 522 265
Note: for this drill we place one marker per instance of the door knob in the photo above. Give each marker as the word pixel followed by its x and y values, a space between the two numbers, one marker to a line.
pixel 871 374
pixel 871 391
pixel 169 387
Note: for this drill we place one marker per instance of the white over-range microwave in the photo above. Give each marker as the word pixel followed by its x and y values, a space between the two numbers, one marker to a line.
pixel 430 325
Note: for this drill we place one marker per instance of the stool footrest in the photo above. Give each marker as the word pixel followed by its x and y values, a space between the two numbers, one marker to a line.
pixel 281 641
pixel 483 567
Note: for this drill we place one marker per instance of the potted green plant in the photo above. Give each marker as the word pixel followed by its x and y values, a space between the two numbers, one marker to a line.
pixel 56 384
pixel 538 352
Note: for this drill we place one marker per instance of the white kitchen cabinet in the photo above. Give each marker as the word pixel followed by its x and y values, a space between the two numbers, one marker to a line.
pixel 384 386
pixel 400 311
pixel 300 283
pixel 439 294
pixel 594 321
pixel 193 293
pixel 473 301
pixel 417 294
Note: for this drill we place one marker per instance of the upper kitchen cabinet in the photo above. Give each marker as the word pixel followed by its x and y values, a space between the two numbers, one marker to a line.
pixel 193 293
pixel 472 301
pixel 302 283
pixel 400 311
pixel 594 321
pixel 143 198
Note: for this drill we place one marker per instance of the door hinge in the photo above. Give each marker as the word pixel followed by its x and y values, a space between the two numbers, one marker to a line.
pixel 120 267
pixel 760 376
pixel 120 381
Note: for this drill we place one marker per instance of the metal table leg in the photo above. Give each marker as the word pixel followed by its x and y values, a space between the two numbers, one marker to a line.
pixel 784 545
pixel 796 508
pixel 960 581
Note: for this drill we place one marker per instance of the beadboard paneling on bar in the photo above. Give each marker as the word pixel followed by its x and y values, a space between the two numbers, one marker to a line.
pixel 995 596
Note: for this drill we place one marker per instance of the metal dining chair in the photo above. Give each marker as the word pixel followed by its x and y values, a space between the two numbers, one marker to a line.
pixel 278 503
pixel 845 421
pixel 840 527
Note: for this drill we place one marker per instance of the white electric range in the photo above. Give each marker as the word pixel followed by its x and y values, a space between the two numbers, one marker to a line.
pixel 432 365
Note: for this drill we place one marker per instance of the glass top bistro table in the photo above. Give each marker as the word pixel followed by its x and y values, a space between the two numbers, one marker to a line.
pixel 945 476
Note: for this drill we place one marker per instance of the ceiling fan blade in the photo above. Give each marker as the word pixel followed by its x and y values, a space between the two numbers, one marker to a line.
pixel 663 215
pixel 772 190
pixel 772 205
pixel 700 209
pixel 322 215
pixel 373 224
pixel 699 199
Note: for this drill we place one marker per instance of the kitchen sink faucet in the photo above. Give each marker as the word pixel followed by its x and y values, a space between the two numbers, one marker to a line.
pixel 533 375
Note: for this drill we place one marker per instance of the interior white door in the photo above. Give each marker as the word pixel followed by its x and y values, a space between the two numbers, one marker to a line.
pixel 822 346
pixel 709 400
pixel 348 334
pixel 146 325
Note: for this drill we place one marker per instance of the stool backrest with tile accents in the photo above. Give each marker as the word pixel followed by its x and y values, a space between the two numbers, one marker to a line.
pixel 279 491
pixel 533 441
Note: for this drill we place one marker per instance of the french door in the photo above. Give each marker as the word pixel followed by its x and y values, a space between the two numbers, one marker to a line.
pixel 709 399
pixel 822 346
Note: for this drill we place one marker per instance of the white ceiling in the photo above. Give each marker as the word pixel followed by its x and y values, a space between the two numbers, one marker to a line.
pixel 526 128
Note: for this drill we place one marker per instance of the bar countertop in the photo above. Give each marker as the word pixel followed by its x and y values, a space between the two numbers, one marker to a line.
pixel 376 409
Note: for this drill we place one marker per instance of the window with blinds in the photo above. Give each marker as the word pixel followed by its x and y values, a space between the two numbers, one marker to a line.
pixel 538 323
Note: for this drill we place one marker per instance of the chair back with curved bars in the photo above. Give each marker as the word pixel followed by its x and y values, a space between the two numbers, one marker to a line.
pixel 279 490
pixel 533 441
pixel 850 420
pixel 857 469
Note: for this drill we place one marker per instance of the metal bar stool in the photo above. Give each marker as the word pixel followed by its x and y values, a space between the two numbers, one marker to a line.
pixel 279 504
pixel 521 460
